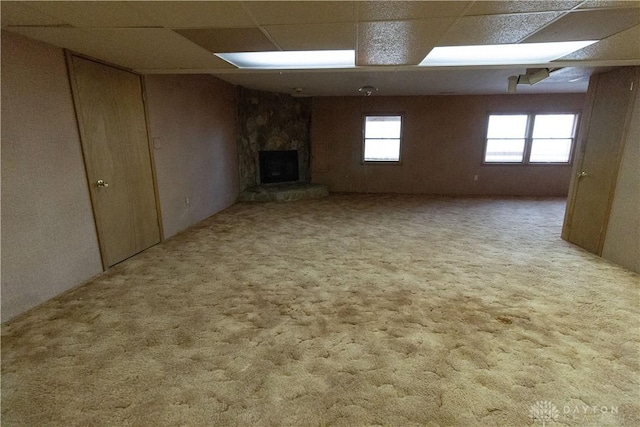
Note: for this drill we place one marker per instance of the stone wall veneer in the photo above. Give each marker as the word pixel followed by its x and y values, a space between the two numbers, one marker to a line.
pixel 271 121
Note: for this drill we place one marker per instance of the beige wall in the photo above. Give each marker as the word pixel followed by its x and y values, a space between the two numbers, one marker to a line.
pixel 622 241
pixel 442 148
pixel 49 241
pixel 192 120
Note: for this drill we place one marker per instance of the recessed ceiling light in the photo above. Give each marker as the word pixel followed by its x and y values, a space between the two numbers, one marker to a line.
pixel 299 59
pixel 501 54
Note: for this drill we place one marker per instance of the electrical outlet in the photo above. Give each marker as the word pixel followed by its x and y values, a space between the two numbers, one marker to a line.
pixel 187 201
pixel 475 177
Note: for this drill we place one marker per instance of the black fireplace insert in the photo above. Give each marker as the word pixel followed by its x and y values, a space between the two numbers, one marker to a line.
pixel 278 166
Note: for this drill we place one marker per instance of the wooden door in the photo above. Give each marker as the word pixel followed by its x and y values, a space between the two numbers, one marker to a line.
pixel 113 130
pixel 597 168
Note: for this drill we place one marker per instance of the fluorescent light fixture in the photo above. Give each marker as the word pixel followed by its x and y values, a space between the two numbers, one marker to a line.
pixel 501 54
pixel 300 59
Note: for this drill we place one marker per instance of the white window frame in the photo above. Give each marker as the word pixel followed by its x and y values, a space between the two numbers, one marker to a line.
pixel 364 139
pixel 528 137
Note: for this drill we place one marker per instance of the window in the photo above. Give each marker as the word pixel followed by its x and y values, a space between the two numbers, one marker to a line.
pixel 382 138
pixel 530 138
pixel 506 139
pixel 552 138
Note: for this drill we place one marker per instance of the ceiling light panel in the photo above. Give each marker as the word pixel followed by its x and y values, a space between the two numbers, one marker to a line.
pixel 291 60
pixel 495 29
pixel 195 14
pixel 398 42
pixel 339 36
pixel 502 7
pixel 249 39
pixel 95 14
pixel 301 12
pixel 401 10
pixel 502 54
pixel 588 25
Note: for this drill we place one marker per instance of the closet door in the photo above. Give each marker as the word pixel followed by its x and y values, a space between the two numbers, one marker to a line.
pixel 610 96
pixel 113 131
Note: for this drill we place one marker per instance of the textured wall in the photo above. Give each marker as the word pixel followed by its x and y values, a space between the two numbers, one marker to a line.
pixel 49 241
pixel 271 121
pixel 442 146
pixel 192 120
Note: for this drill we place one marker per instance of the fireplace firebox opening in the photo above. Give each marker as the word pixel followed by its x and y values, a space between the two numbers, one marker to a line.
pixel 278 166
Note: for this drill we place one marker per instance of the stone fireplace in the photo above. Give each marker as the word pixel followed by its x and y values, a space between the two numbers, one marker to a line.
pixel 274 147
pixel 274 123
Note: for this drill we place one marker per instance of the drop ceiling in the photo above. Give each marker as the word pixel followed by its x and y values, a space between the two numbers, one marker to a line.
pixel 389 37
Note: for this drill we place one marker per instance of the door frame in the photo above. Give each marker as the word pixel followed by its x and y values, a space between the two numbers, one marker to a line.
pixel 80 126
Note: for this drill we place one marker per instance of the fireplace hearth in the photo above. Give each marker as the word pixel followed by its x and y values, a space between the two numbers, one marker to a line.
pixel 280 181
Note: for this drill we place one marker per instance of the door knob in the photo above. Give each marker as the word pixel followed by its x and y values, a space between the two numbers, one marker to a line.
pixel 581 174
pixel 102 183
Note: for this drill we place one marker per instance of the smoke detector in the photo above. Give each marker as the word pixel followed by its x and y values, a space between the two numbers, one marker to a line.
pixel 368 90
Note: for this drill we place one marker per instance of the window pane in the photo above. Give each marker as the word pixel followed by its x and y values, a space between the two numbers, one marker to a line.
pixel 382 127
pixel 507 126
pixel 550 150
pixel 381 150
pixel 553 126
pixel 504 150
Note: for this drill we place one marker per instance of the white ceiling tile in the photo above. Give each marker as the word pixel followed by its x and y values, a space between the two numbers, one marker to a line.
pixel 162 48
pixel 80 40
pixel 407 82
pixel 594 4
pixel 134 48
pixel 587 25
pixel 622 46
pixel 301 12
pixel 398 34
pixel 495 29
pixel 398 42
pixel 94 14
pixel 249 39
pixel 570 74
pixel 21 13
pixel 195 14
pixel 404 10
pixel 314 36
pixel 502 7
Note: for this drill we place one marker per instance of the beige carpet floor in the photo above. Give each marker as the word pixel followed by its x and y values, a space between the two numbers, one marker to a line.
pixel 349 310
